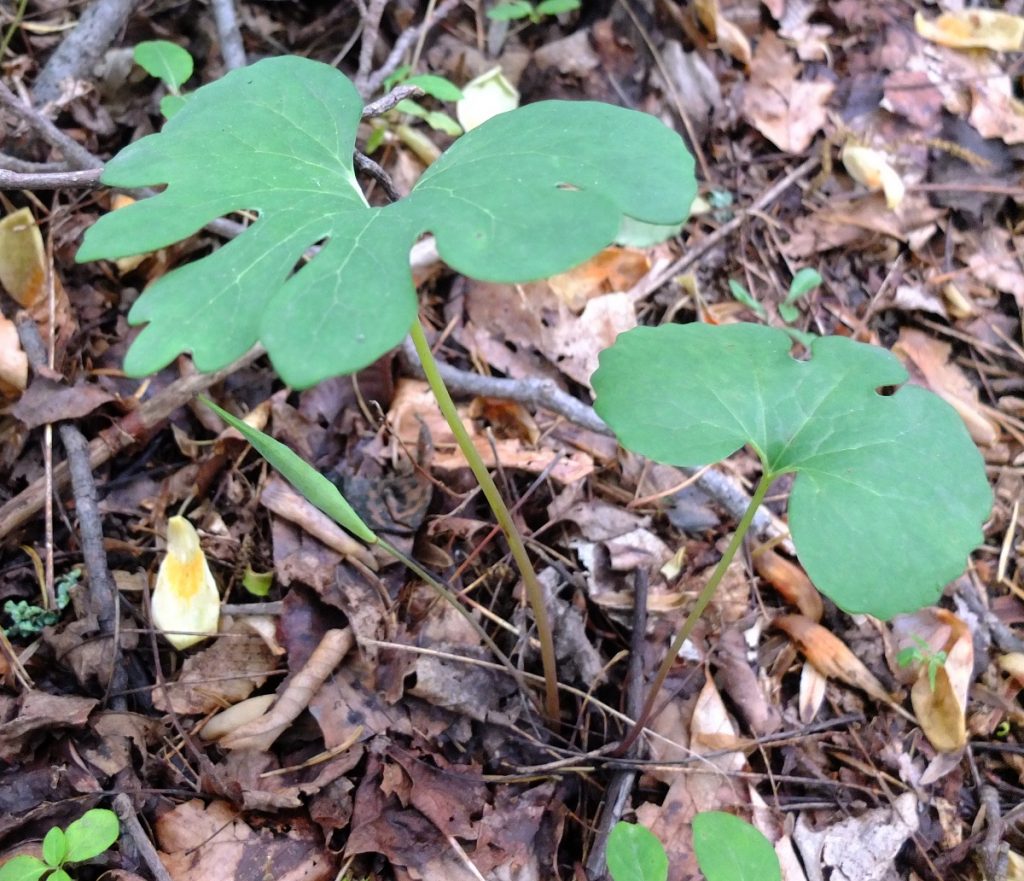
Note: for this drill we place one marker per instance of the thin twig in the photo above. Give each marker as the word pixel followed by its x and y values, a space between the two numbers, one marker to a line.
pixel 232 49
pixel 13 163
pixel 408 37
pixel 621 783
pixel 74 152
pixel 371 31
pixel 367 166
pixel 49 180
pixel 398 94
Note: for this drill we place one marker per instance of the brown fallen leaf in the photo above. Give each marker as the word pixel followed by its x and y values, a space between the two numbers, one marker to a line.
pixel 931 357
pixel 728 36
pixel 830 655
pixel 201 842
pixel 613 270
pixel 787 110
pixel 790 581
pixel 47 400
pixel 260 733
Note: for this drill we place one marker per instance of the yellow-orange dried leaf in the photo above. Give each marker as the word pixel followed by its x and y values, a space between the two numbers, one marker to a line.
pixel 185 603
pixel 727 34
pixel 973 29
pixel 830 655
pixel 22 258
pixel 615 269
pixel 790 581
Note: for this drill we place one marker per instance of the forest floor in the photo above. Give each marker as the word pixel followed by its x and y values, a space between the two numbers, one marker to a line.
pixel 841 137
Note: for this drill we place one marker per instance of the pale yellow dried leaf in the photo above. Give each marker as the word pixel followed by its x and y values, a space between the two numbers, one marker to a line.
pixel 13 361
pixel 185 603
pixel 22 258
pixel 236 715
pixel 812 693
pixel 872 169
pixel 973 29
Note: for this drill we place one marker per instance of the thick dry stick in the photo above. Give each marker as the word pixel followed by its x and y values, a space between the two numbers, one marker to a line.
pixel 118 437
pixel 75 57
pixel 232 49
pixel 130 821
pixel 49 180
pixel 102 591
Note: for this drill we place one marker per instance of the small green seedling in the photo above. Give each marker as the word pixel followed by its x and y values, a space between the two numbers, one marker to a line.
pixel 805 281
pixel 922 653
pixel 517 10
pixel 87 837
pixel 169 63
pixel 28 620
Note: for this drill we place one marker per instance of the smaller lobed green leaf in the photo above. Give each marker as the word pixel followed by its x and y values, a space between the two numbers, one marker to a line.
pixel 55 846
pixel 730 849
pixel 23 868
pixel 313 486
pixel 557 7
pixel 788 313
pixel 60 875
pixel 436 86
pixel 170 105
pixel 167 61
pixel 91 834
pixel 635 854
pixel 442 122
pixel 510 11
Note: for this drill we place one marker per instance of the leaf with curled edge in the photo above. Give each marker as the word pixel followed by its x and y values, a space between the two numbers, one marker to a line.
pixel 532 192
pixel 890 492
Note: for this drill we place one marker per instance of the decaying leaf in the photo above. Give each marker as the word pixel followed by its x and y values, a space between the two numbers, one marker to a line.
pixel 790 581
pixel 830 655
pixel 186 602
pixel 973 29
pixel 728 35
pixel 13 360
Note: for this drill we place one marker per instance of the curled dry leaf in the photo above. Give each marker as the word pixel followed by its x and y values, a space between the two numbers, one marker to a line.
pixel 186 603
pixel 728 35
pixel 22 258
pixel 872 169
pixel 260 733
pixel 13 361
pixel 236 716
pixel 790 581
pixel 973 29
pixel 830 655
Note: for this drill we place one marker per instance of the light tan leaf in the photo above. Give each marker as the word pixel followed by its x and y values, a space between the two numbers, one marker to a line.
pixel 973 29
pixel 787 110
pixel 830 655
pixel 812 692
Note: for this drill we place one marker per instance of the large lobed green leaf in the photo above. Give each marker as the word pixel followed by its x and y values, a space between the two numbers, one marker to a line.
pixel 528 194
pixel 890 491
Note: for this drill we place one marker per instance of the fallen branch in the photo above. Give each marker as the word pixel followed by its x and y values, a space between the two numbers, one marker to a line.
pixel 49 180
pixel 232 49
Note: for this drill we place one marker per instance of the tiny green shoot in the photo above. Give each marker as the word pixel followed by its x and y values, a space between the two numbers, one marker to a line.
pixel 28 620
pixel 517 10
pixel 922 653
